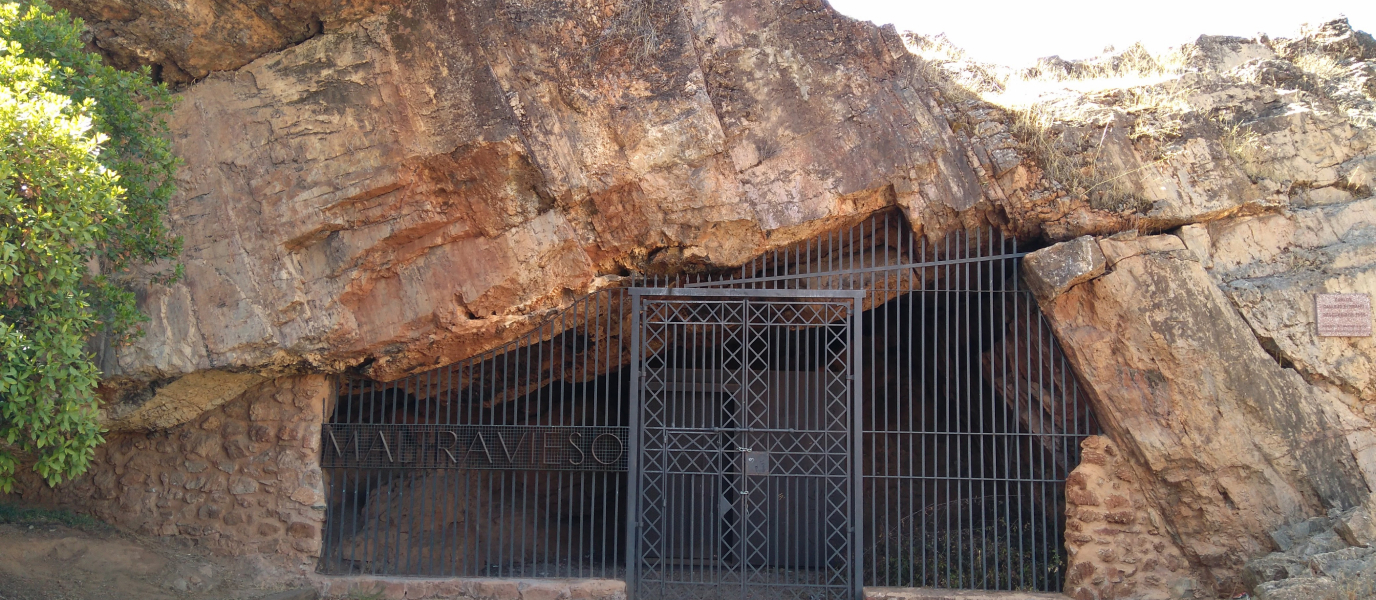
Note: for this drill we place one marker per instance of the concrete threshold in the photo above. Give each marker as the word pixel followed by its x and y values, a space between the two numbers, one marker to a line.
pixel 901 593
pixel 422 588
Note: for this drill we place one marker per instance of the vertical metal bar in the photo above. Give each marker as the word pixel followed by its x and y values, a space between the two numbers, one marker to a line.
pixel 553 519
pixel 743 410
pixel 1023 355
pixel 578 419
pixel 961 311
pixel 431 477
pixel 625 401
pixel 803 418
pixel 857 426
pixel 364 487
pixel 598 538
pixel 1041 456
pixel 451 479
pixel 928 407
pixel 1009 329
pixel 633 458
pixel 334 517
pixel 490 536
pixel 466 405
pixel 506 560
pixel 517 406
pixel 873 317
pixel 950 409
pixel 543 547
pixel 981 402
pixel 416 491
pixel 903 420
pixel 1058 474
pixel 331 478
pixel 881 500
pixel 695 398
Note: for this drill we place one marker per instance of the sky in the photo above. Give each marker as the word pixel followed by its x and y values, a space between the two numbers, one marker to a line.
pixel 1016 33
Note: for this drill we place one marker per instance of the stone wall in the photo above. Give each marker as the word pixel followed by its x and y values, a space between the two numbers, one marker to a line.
pixel 243 478
pixel 1117 543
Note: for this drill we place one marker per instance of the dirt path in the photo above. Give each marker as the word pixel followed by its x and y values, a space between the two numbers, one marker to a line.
pixel 53 562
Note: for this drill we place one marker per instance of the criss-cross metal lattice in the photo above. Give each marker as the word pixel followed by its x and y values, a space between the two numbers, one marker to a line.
pixel 514 462
pixel 743 468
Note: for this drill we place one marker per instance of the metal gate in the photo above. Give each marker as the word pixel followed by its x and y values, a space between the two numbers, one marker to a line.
pixel 744 445
pixel 716 400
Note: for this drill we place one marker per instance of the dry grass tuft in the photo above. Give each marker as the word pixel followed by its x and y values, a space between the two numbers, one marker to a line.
pixel 1245 147
pixel 1320 65
pixel 634 27
pixel 1075 158
pixel 1059 105
pixel 1134 69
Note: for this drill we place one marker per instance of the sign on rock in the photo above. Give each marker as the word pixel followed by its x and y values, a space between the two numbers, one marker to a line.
pixel 1343 315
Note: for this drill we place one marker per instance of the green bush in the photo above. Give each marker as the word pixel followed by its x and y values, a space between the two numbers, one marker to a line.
pixel 86 171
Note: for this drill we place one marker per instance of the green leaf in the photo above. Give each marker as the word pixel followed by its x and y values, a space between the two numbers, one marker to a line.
pixel 86 173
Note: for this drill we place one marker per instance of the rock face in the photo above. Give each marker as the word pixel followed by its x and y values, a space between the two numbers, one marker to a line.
pixel 1271 266
pixel 179 401
pixel 185 41
pixel 1231 444
pixel 392 186
pixel 1199 348
pixel 1316 561
pixel 1054 270
pixel 419 182
pixel 425 180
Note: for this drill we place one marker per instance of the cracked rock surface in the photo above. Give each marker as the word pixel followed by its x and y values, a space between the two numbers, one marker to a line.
pixel 391 186
pixel 1316 562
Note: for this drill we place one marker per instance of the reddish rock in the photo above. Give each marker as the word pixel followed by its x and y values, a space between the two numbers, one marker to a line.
pixel 1116 562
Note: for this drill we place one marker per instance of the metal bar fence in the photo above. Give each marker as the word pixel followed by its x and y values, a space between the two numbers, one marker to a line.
pixel 513 463
pixel 508 464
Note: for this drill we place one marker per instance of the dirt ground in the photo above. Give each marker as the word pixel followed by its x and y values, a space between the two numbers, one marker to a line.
pixel 47 561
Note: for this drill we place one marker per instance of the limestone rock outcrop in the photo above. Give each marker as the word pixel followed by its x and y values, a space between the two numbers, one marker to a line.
pixel 178 401
pixel 1316 561
pixel 1232 442
pixel 185 41
pixel 1199 348
pixel 388 186
pixel 418 185
pixel 420 182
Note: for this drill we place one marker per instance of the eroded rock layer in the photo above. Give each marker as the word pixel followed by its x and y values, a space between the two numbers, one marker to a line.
pixel 393 186
pixel 414 186
pixel 1215 387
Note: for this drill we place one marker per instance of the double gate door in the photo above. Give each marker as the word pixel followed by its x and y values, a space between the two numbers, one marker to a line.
pixel 744 445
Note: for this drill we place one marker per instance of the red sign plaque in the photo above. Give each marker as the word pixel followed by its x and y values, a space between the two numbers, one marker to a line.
pixel 1343 315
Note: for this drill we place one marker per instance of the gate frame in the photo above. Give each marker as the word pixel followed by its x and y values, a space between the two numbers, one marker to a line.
pixel 633 468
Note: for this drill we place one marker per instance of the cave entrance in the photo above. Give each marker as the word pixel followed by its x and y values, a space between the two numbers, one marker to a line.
pixel 617 438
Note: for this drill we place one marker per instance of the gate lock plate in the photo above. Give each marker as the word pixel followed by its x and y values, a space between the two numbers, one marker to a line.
pixel 756 463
